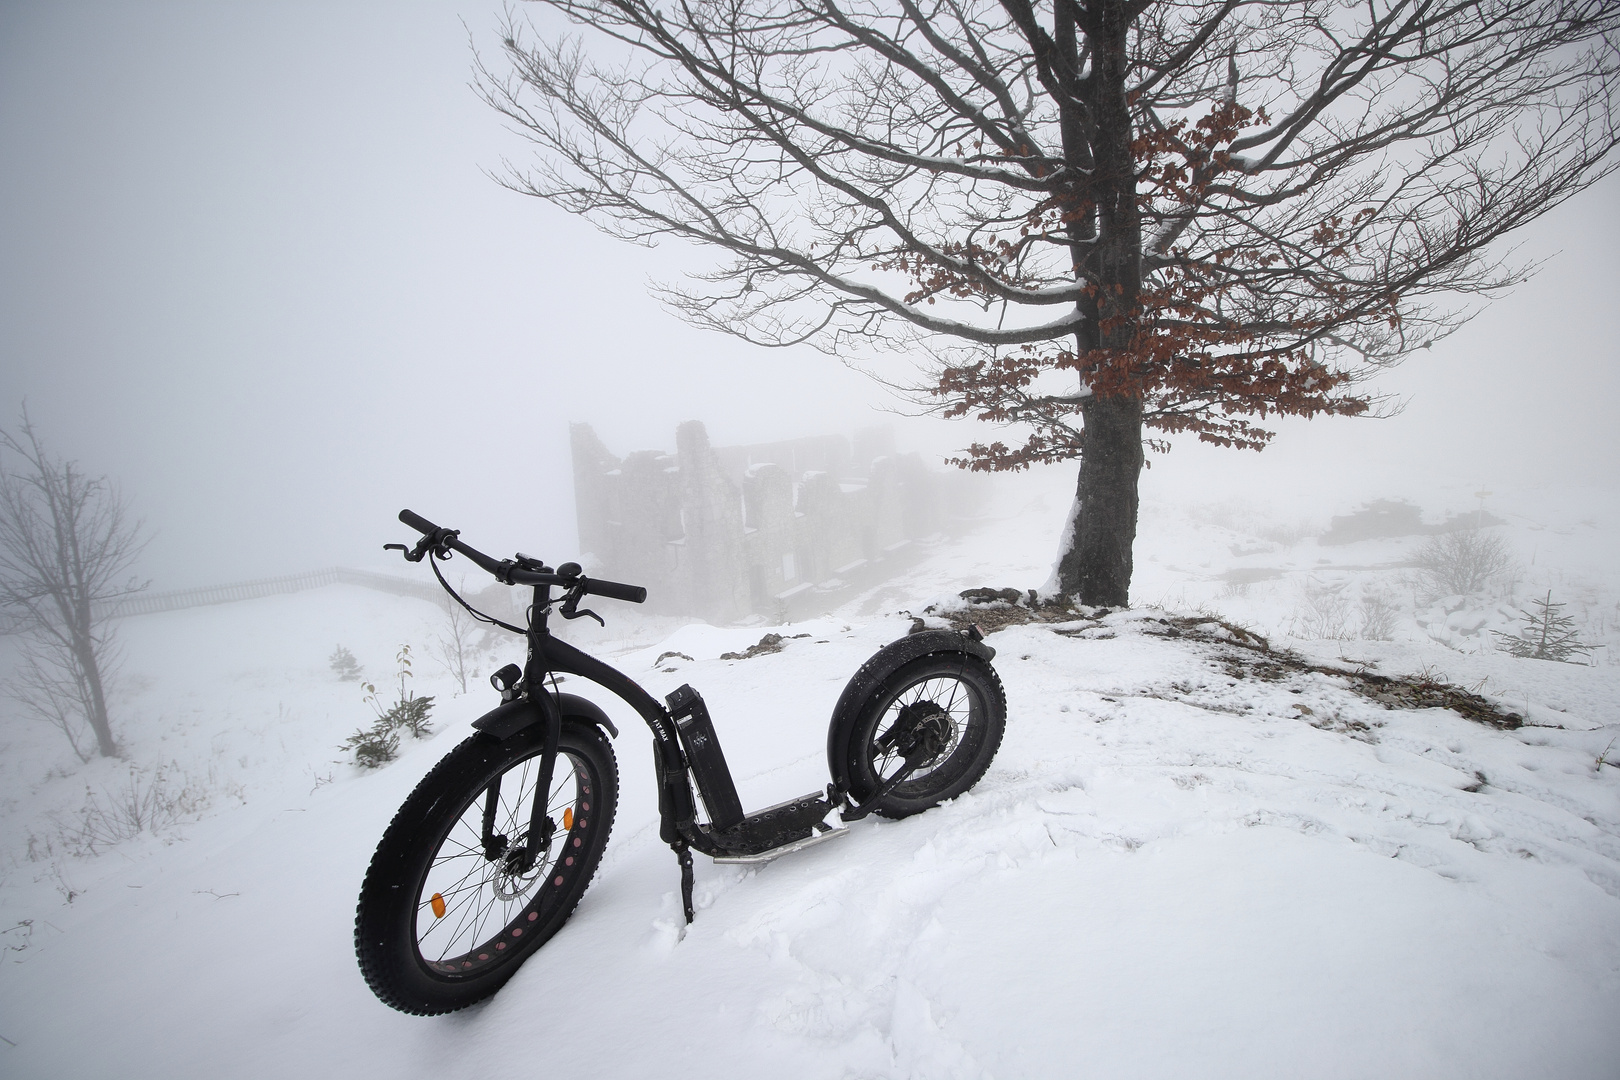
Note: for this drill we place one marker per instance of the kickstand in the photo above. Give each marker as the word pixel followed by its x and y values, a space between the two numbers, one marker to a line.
pixel 684 854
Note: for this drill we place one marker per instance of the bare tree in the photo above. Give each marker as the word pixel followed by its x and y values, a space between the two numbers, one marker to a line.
pixel 456 649
pixel 66 543
pixel 1094 219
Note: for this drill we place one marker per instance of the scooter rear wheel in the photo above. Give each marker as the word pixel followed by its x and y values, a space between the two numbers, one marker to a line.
pixel 444 919
pixel 948 710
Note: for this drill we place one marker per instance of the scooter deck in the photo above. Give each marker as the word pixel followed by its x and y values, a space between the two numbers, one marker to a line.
pixel 785 849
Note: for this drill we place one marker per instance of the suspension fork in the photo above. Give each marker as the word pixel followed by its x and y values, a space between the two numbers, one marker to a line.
pixel 535 671
pixel 493 848
pixel 540 823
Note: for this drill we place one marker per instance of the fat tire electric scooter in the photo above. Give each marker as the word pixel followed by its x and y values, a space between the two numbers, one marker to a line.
pixel 489 855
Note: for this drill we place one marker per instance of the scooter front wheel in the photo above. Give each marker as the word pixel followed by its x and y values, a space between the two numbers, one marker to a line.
pixel 944 713
pixel 458 894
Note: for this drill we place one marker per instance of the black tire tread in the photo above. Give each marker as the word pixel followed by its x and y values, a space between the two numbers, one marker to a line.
pixel 398 842
pixel 891 807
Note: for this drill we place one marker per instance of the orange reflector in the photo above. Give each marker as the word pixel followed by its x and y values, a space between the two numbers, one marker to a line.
pixel 438 906
pixel 568 818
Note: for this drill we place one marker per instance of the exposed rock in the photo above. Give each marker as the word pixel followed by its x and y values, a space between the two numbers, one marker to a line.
pixel 770 643
pixel 984 595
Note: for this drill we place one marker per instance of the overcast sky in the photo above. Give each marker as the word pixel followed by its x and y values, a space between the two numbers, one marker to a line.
pixel 251 266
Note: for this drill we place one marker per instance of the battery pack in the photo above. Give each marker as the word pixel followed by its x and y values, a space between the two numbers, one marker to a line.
pixel 704 755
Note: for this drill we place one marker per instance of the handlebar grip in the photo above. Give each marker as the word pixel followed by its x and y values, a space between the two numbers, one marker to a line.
pixel 417 522
pixel 614 590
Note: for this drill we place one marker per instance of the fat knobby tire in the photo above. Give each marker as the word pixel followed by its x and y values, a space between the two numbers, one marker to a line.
pixel 963 689
pixel 439 924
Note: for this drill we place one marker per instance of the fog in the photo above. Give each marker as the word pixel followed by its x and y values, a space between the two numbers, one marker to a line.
pixel 252 266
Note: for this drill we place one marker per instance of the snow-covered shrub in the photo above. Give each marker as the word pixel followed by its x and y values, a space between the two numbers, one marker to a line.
pixel 1463 563
pixel 1378 614
pixel 1323 612
pixel 148 801
pixel 1285 535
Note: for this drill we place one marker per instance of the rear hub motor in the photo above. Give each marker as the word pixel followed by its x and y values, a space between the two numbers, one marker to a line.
pixel 921 733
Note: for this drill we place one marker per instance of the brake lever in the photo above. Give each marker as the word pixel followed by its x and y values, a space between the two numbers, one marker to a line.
pixel 411 554
pixel 570 603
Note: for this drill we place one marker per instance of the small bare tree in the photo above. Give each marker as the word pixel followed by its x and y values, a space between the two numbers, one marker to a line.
pixel 457 650
pixel 66 544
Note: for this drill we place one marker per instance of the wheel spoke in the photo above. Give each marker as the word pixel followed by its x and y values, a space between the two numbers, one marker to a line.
pixel 949 711
pixel 470 885
pixel 470 908
pixel 455 916
pixel 479 868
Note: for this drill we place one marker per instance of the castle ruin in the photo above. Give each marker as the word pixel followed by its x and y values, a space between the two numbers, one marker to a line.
pixel 775 529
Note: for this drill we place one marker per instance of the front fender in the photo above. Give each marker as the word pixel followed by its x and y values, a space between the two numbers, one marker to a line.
pixel 511 717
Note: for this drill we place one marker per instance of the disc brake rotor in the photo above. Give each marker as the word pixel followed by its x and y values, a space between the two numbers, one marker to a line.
pixel 509 881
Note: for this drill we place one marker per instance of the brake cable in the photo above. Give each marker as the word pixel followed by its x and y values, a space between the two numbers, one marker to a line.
pixel 476 614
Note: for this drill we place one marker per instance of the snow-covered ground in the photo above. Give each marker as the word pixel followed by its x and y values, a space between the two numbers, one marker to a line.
pixel 1169 870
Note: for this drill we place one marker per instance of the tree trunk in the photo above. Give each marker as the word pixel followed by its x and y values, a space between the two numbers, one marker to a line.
pixel 79 613
pixel 97 713
pixel 1095 564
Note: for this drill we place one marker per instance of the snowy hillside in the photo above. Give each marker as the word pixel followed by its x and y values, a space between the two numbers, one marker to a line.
pixel 1187 860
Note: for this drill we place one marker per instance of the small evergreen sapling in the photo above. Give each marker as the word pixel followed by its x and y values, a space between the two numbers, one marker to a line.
pixel 373 747
pixel 379 744
pixel 1547 634
pixel 344 665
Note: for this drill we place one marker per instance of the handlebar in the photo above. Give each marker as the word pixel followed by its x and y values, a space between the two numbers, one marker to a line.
pixel 418 522
pixel 511 573
pixel 613 590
